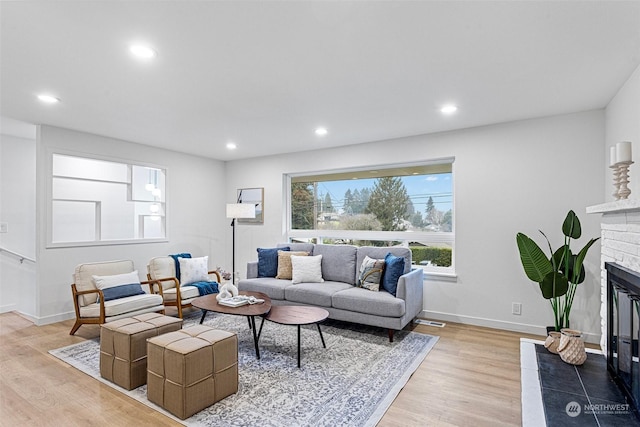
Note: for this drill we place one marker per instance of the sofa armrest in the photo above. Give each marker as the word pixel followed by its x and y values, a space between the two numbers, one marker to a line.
pixel 410 289
pixel 252 269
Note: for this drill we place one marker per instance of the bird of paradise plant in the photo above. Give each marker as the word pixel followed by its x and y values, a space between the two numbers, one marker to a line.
pixel 559 274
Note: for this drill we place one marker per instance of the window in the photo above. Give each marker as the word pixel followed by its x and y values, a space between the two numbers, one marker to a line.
pixel 104 202
pixel 409 205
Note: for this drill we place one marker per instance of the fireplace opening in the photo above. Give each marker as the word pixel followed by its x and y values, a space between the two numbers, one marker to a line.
pixel 623 320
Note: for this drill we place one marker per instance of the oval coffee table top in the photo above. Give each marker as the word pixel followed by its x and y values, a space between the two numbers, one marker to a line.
pixel 210 303
pixel 296 314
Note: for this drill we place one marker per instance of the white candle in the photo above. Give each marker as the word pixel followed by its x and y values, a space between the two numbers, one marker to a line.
pixel 612 155
pixel 623 151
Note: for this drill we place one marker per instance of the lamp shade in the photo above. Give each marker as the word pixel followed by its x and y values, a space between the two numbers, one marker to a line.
pixel 241 210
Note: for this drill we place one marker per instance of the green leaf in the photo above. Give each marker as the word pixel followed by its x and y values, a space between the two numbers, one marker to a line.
pixel 571 226
pixel 535 263
pixel 577 265
pixel 559 257
pixel 554 285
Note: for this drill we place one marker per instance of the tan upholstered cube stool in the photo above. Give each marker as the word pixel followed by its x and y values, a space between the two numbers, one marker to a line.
pixel 123 347
pixel 191 369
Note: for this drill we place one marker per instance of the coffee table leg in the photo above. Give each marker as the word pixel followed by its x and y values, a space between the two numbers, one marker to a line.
pixel 298 346
pixel 204 313
pixel 321 337
pixel 252 322
pixel 261 325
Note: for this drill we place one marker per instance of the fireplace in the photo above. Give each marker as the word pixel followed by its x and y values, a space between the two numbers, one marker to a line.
pixel 623 316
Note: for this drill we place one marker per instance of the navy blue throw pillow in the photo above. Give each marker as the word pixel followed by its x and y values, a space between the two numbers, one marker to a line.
pixel 268 261
pixel 122 291
pixel 393 269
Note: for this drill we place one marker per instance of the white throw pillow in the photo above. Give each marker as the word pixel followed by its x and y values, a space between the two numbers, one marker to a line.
pixel 306 269
pixel 104 282
pixel 194 270
pixel 118 285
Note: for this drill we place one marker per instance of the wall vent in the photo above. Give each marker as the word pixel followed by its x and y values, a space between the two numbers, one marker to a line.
pixel 430 323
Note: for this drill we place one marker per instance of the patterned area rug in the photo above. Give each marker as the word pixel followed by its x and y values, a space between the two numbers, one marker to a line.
pixel 350 383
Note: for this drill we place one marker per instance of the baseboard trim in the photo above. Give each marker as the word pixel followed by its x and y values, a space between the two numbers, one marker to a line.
pixel 498 324
pixel 7 308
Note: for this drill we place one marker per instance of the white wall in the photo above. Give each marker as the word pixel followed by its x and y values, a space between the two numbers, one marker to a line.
pixel 195 215
pixel 520 176
pixel 18 210
pixel 622 121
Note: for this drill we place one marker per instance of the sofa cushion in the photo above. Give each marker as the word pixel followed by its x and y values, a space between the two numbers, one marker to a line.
pixel 284 263
pixel 394 267
pixel 314 293
pixel 273 288
pixel 363 301
pixel 306 269
pixel 268 261
pixel 298 247
pixel 338 262
pixel 380 253
pixel 370 273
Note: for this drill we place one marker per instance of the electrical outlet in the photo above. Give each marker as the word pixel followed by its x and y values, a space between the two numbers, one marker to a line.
pixel 4 227
pixel 516 308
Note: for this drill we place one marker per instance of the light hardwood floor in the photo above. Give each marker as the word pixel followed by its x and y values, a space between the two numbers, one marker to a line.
pixel 470 378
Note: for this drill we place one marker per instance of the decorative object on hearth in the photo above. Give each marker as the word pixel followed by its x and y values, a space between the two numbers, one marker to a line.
pixel 561 273
pixel 571 348
pixel 619 161
pixel 552 342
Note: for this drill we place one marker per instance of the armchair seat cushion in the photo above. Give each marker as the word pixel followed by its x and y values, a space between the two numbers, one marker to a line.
pixel 187 293
pixel 123 305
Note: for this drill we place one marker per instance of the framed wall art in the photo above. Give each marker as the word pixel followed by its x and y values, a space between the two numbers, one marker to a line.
pixel 255 196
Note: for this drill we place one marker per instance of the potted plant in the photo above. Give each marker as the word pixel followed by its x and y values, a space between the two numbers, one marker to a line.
pixel 561 272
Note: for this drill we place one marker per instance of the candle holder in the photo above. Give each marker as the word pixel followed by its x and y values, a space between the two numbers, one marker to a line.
pixel 622 179
pixel 616 180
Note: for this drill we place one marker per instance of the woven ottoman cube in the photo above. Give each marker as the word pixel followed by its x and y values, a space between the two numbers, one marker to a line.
pixel 191 369
pixel 123 347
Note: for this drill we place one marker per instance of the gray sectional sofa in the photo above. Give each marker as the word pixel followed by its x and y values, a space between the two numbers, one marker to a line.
pixel 339 295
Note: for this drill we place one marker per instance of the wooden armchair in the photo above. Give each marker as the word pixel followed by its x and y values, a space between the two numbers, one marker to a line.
pixel 89 297
pixel 163 270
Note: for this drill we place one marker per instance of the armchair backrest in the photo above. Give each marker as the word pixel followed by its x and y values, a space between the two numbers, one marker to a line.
pixel 162 267
pixel 83 276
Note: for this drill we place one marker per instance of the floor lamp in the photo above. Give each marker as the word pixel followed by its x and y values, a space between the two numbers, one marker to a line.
pixel 234 212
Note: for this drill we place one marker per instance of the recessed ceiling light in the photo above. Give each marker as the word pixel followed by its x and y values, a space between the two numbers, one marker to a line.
pixel 231 145
pixel 142 51
pixel 448 109
pixel 321 131
pixel 48 99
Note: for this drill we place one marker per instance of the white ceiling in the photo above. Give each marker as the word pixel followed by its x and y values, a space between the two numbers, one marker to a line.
pixel 264 74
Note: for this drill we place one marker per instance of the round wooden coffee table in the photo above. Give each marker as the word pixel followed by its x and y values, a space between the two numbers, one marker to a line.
pixel 296 315
pixel 210 303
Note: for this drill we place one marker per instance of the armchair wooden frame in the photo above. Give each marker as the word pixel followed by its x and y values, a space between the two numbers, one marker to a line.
pixel 99 320
pixel 178 302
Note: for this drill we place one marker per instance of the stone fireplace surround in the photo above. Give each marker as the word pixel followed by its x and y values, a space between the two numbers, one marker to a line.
pixel 620 243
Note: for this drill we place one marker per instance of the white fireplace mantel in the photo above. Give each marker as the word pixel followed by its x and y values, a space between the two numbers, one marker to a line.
pixel 619 206
pixel 619 243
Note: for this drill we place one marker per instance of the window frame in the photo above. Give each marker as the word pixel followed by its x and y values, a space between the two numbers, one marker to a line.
pixel 430 272
pixel 51 244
